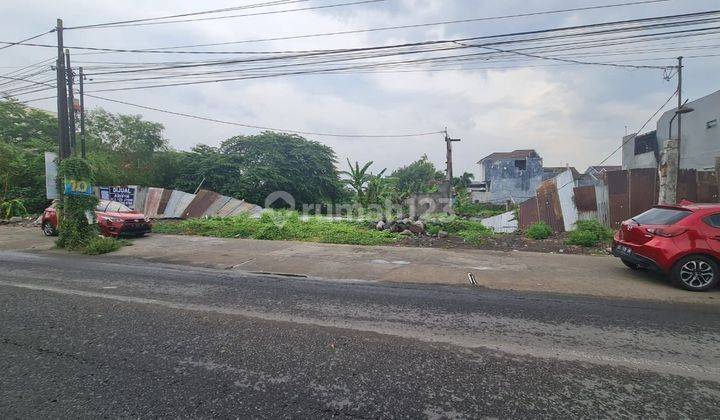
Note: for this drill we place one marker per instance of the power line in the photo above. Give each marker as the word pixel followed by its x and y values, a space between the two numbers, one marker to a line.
pixel 327 6
pixel 631 137
pixel 411 26
pixel 227 9
pixel 263 127
pixel 10 44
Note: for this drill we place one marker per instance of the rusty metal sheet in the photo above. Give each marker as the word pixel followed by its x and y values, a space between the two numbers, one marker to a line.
pixel 164 198
pixel 643 190
pixel 528 213
pixel 202 201
pixel 228 208
pixel 217 205
pixel 707 187
pixel 152 201
pixel 248 208
pixel 687 185
pixel 549 209
pixel 618 197
pixel 585 198
pixel 172 203
pixel 602 199
pixel 183 202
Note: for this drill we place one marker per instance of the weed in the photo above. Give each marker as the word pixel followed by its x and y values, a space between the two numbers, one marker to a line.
pixel 538 230
pixel 102 245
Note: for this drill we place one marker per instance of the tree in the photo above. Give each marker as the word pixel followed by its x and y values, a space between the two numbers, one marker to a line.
pixel 271 161
pixel 360 180
pixel 464 180
pixel 418 177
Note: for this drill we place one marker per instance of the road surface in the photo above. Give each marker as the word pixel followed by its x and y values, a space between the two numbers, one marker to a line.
pixel 85 337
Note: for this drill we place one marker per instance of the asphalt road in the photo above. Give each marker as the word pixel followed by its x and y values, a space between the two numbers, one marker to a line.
pixel 84 337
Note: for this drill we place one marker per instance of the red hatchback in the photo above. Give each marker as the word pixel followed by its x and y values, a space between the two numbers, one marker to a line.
pixel 113 219
pixel 680 240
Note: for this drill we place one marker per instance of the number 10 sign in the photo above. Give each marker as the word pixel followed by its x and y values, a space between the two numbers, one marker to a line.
pixel 77 187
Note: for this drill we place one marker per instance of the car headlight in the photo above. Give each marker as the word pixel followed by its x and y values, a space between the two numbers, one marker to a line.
pixel 111 219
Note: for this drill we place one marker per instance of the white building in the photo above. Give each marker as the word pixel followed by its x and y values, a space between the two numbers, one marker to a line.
pixel 700 139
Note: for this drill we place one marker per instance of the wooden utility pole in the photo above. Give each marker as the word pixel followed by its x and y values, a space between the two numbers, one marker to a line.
pixel 71 102
pixel 82 114
pixel 448 161
pixel 62 107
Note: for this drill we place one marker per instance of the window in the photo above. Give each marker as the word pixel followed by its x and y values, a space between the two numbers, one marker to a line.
pixel 713 220
pixel 661 216
pixel 645 143
pixel 521 164
pixel 105 205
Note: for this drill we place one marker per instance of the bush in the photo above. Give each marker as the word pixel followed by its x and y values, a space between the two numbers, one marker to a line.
pixel 11 208
pixel 538 230
pixel 75 231
pixel 589 233
pixel 474 237
pixel 102 245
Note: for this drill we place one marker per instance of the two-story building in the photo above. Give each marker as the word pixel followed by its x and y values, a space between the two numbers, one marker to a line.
pixel 507 176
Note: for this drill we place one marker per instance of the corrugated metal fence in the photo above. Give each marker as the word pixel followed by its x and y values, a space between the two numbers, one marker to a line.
pixel 623 194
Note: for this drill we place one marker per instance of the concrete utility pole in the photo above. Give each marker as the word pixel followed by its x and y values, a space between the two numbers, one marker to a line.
pixel 82 114
pixel 448 161
pixel 62 107
pixel 71 102
pixel 679 114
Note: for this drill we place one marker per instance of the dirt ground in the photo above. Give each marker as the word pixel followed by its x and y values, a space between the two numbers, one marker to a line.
pixel 508 242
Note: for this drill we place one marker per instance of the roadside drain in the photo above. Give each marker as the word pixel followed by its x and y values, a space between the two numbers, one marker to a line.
pixel 268 273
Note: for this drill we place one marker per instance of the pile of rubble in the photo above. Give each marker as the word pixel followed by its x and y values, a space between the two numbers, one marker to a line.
pixel 20 221
pixel 406 227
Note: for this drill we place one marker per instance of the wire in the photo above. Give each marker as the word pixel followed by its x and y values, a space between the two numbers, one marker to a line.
pixel 327 6
pixel 227 9
pixel 10 44
pixel 631 137
pixel 419 25
pixel 632 66
pixel 263 127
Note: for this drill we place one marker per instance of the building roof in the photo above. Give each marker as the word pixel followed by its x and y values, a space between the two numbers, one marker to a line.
pixel 605 168
pixel 515 154
pixel 557 170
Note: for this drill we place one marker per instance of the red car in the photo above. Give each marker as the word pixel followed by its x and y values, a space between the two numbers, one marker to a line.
pixel 680 240
pixel 113 219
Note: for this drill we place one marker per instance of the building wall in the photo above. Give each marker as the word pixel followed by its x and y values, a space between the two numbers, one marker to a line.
pixel 700 140
pixel 507 182
pixel 632 161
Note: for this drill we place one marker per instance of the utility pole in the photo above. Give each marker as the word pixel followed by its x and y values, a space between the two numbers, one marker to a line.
pixel 448 161
pixel 62 108
pixel 679 115
pixel 82 114
pixel 71 102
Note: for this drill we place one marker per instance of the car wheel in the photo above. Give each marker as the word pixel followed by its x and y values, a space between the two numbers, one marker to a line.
pixel 48 229
pixel 630 265
pixel 696 273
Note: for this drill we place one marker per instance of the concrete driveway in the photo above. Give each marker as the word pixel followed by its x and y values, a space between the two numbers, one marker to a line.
pixel 522 271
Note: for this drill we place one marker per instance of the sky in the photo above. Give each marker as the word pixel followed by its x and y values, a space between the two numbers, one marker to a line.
pixel 570 114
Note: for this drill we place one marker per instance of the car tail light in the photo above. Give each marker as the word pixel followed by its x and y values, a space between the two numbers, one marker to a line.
pixel 667 232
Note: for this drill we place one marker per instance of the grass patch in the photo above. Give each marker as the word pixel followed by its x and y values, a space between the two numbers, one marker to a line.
pixel 539 231
pixel 281 225
pixel 470 231
pixel 103 245
pixel 589 233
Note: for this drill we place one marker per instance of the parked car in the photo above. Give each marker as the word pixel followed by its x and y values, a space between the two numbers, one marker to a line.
pixel 113 219
pixel 680 240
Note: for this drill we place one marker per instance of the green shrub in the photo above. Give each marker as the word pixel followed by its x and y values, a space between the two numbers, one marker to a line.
pixel 474 237
pixel 102 245
pixel 582 238
pixel 12 208
pixel 433 230
pixel 538 230
pixel 589 233
pixel 75 231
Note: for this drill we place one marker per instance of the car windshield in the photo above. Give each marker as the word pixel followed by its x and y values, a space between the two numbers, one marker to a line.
pixel 661 216
pixel 114 206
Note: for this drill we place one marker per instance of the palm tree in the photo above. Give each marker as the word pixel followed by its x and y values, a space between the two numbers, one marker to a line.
pixel 464 180
pixel 377 187
pixel 358 177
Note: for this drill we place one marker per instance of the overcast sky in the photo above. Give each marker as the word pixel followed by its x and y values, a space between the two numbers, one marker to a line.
pixel 569 114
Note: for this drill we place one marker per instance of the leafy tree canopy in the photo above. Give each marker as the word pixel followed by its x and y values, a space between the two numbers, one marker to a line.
pixel 418 177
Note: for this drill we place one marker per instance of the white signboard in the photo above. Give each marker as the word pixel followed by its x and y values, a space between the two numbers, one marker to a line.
pixel 51 170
